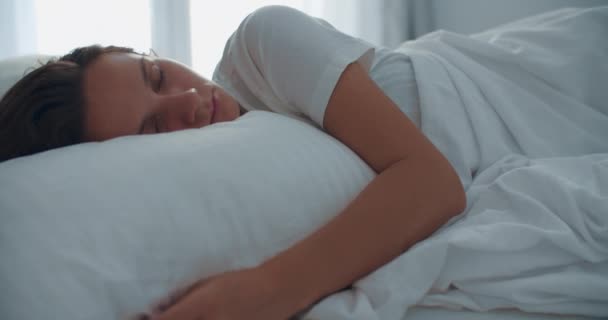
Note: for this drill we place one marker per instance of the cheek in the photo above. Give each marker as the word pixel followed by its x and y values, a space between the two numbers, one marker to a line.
pixel 178 77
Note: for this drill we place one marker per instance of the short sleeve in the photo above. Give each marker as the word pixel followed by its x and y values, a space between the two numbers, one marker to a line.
pixel 282 60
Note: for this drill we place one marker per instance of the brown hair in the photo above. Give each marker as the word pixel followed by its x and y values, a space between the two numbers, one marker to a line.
pixel 45 109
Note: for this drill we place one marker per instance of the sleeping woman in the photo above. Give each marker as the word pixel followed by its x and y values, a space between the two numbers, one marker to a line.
pixel 280 60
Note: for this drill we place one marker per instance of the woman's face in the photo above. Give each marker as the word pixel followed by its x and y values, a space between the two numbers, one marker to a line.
pixel 129 94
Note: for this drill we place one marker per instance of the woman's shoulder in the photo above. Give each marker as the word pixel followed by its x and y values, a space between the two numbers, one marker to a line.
pixel 272 13
pixel 269 19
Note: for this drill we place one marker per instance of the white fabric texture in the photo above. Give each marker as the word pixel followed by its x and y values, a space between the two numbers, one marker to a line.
pixel 282 60
pixel 103 230
pixel 117 225
pixel 534 238
pixel 535 87
pixel 522 108
pixel 392 71
pixel 259 64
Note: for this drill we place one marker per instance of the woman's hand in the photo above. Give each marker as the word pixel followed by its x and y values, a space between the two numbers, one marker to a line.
pixel 243 294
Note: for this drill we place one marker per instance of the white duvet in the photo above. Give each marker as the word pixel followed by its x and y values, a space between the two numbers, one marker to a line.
pixel 101 231
pixel 535 233
pixel 534 238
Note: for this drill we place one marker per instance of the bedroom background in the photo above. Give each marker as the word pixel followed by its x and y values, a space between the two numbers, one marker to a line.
pixel 194 31
pixel 82 268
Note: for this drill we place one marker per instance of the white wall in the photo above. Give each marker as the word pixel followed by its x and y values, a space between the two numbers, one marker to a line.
pixel 469 16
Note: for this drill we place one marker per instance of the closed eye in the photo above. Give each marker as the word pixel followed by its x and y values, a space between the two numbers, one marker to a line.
pixel 160 77
pixel 151 125
pixel 156 120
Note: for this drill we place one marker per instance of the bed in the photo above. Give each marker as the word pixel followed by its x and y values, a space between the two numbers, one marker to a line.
pixel 439 313
pixel 103 230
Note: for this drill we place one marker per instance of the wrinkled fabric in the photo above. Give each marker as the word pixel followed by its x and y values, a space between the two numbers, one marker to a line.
pixel 521 112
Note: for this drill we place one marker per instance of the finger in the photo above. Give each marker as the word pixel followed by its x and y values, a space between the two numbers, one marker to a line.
pixel 174 297
pixel 170 300
pixel 184 310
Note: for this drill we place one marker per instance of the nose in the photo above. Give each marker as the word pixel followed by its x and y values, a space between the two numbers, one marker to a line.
pixel 180 110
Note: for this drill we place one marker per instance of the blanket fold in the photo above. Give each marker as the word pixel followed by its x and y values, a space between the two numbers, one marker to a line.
pixel 521 112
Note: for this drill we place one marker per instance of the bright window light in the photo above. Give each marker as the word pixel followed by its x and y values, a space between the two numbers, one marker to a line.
pixel 63 25
pixel 212 24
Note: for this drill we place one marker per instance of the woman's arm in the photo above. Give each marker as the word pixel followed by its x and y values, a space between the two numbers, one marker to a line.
pixel 415 192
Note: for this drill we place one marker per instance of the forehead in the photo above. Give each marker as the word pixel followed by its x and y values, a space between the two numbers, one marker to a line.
pixel 114 95
pixel 112 66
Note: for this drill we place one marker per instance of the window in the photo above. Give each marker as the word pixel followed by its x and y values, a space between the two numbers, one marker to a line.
pixel 191 31
pixel 62 25
pixel 212 23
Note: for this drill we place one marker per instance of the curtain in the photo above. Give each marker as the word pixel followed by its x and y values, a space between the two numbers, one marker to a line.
pixel 186 30
pixel 359 18
pixel 170 22
pixel 17 28
pixel 57 26
pixel 167 26
pixel 382 22
pixel 406 20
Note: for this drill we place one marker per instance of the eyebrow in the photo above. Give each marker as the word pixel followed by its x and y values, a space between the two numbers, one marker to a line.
pixel 146 79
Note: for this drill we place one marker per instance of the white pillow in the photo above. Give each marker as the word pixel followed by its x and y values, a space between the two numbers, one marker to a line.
pixel 13 69
pixel 103 230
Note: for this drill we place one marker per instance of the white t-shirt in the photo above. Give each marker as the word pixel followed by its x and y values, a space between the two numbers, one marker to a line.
pixel 282 60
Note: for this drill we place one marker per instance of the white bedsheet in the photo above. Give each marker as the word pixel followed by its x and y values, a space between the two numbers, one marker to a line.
pixel 436 313
pixel 535 234
pixel 535 238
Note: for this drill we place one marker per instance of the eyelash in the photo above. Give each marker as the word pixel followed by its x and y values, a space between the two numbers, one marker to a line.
pixel 156 119
pixel 161 78
pixel 159 85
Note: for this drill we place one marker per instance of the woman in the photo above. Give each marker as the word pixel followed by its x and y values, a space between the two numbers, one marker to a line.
pixel 310 69
pixel 281 60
